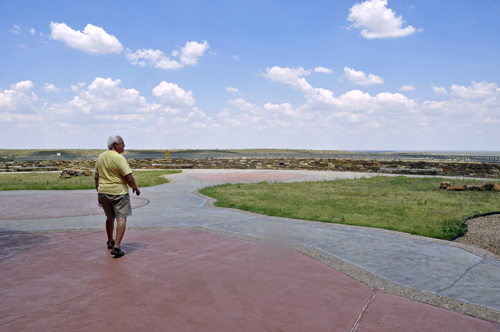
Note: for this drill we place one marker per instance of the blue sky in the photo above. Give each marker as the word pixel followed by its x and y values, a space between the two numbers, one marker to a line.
pixel 343 75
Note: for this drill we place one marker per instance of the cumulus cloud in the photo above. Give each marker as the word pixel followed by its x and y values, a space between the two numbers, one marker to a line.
pixel 323 110
pixel 77 86
pixel 477 90
pixel 23 86
pixel 267 116
pixel 358 77
pixel 359 101
pixel 323 70
pixel 191 53
pixel 377 21
pixel 352 107
pixel 226 112
pixel 103 97
pixel 439 90
pixel 189 56
pixel 285 75
pixel 173 97
pixel 407 88
pixel 32 31
pixel 292 75
pixel 19 99
pixel 196 119
pixel 93 39
pixel 154 58
pixel 233 91
pixel 49 87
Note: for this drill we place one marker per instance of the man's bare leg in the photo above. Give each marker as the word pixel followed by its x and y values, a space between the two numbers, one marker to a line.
pixel 120 230
pixel 110 226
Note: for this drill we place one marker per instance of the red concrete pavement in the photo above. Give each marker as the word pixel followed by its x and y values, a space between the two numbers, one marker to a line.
pixel 186 280
pixel 54 205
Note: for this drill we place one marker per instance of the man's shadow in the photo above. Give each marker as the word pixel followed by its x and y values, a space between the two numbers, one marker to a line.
pixel 131 247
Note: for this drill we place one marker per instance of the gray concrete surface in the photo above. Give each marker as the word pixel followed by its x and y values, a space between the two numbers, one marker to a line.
pixel 407 261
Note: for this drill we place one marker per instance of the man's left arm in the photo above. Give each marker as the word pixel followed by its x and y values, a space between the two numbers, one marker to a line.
pixel 129 178
pixel 96 178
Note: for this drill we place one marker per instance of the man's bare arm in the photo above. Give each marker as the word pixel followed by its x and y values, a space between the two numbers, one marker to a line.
pixel 96 178
pixel 131 183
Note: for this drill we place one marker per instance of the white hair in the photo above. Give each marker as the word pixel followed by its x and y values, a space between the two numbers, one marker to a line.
pixel 113 139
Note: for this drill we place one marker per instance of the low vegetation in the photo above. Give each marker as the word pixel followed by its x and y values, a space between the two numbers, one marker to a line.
pixel 411 205
pixel 51 181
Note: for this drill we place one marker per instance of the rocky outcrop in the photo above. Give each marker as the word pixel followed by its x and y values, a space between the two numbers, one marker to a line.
pixel 483 186
pixel 68 173
pixel 456 188
pixel 467 169
pixel 445 184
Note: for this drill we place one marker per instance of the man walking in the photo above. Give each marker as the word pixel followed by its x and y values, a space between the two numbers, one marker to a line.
pixel 112 175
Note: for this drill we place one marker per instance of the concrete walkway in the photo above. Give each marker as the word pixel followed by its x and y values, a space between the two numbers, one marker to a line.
pixel 408 266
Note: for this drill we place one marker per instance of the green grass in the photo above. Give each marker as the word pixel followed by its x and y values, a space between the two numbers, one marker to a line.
pixel 51 181
pixel 410 205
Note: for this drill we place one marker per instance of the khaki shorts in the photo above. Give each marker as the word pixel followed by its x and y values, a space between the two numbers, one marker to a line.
pixel 116 206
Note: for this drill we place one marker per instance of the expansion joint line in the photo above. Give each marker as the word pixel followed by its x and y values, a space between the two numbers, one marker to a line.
pixel 460 278
pixel 361 314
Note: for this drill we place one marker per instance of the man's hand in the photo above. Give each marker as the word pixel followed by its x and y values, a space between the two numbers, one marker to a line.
pixel 136 190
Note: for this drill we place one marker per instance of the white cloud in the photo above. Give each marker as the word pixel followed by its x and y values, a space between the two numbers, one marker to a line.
pixel 93 39
pixel 49 87
pixel 32 31
pixel 236 57
pixel 77 86
pixel 16 29
pixel 173 97
pixel 477 90
pixel 196 119
pixel 244 105
pixel 359 101
pixel 226 113
pixel 19 99
pixel 323 111
pixel 233 91
pixel 285 75
pixel 154 58
pixel 323 70
pixel 439 90
pixel 24 47
pixel 348 106
pixel 292 75
pixel 189 56
pixel 6 117
pixel 23 86
pixel 378 21
pixel 104 97
pixel 407 88
pixel 191 53
pixel 358 77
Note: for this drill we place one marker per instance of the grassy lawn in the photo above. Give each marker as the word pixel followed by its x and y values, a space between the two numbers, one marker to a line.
pixel 51 181
pixel 410 205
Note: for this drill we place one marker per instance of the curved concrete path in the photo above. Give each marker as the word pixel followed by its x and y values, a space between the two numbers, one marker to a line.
pixel 433 270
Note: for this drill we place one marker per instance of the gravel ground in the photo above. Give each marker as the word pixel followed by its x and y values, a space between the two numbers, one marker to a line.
pixel 484 232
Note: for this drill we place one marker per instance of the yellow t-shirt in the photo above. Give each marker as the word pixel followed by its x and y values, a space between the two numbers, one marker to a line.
pixel 112 167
